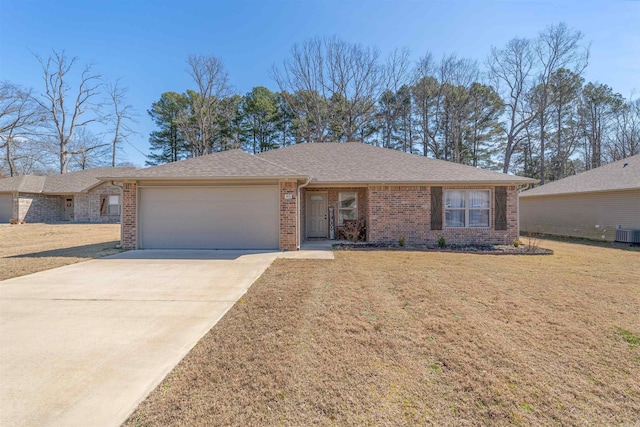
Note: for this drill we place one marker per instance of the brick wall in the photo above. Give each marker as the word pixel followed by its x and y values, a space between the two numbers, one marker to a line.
pixel 333 195
pixel 129 212
pixel 38 208
pixel 288 216
pixel 396 211
pixel 93 202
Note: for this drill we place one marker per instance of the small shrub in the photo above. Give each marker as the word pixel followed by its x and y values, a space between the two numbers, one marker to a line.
pixel 516 243
pixel 442 242
pixel 401 241
pixel 533 240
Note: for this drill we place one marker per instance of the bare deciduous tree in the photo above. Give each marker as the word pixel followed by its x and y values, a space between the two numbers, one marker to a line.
pixel 427 96
pixel 302 82
pixel 599 108
pixel 510 72
pixel 19 114
pixel 89 150
pixel 625 140
pixel 68 111
pixel 334 85
pixel 120 118
pixel 212 83
pixel 556 47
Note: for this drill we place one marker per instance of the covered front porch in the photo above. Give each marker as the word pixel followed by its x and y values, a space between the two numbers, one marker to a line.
pixel 333 213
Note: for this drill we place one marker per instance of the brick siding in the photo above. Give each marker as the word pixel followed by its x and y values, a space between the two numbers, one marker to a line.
pixel 37 208
pixel 87 206
pixel 288 216
pixel 129 213
pixel 399 212
pixel 396 212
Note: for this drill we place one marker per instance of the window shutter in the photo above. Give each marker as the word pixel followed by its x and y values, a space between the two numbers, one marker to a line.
pixel 501 208
pixel 436 208
pixel 103 205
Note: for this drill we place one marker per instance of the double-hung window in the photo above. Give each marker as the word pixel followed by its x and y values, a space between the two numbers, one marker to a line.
pixel 113 205
pixel 467 208
pixel 347 206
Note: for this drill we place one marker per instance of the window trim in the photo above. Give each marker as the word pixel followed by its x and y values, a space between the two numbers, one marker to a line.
pixel 467 208
pixel 340 208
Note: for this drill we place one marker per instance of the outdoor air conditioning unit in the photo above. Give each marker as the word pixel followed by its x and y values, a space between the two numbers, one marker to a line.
pixel 628 235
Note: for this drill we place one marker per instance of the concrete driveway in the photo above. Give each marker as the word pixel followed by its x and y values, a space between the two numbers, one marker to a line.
pixel 85 343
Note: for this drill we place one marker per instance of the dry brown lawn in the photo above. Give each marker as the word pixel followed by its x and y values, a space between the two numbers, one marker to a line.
pixel 385 338
pixel 28 248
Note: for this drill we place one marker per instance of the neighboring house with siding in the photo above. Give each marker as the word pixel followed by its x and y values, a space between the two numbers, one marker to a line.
pixel 75 197
pixel 590 204
pixel 279 199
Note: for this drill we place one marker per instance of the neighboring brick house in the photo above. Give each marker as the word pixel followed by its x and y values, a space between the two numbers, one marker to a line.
pixel 279 199
pixel 74 197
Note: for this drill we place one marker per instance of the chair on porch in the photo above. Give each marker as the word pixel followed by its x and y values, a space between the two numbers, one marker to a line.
pixel 352 229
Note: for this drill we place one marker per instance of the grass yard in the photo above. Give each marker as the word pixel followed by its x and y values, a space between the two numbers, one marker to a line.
pixel 28 248
pixel 412 338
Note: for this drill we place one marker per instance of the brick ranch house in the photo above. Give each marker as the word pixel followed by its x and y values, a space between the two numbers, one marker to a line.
pixel 74 197
pixel 279 199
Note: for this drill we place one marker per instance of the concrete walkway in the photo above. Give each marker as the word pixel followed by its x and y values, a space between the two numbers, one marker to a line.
pixel 82 345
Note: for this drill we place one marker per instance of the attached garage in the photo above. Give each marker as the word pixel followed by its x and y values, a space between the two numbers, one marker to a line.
pixel 6 208
pixel 220 217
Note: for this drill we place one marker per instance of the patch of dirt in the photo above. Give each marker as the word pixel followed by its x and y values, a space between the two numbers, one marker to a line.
pixel 29 248
pixel 406 338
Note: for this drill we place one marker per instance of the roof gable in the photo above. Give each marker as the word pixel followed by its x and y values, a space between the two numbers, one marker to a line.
pixel 355 162
pixel 621 175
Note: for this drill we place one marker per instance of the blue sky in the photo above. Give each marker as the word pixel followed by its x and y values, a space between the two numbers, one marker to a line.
pixel 145 43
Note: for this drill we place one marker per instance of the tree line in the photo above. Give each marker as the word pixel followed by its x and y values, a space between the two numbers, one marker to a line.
pixel 526 109
pixel 76 120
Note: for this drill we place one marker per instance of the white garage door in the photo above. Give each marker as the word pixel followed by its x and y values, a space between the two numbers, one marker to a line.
pixel 6 207
pixel 209 218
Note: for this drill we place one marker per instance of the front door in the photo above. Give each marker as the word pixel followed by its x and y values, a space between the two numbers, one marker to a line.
pixel 316 214
pixel 68 209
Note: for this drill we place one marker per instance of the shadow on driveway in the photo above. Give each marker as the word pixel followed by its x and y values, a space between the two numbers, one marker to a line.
pixel 84 251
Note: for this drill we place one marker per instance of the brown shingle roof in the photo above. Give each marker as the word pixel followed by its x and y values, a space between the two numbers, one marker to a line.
pixel 22 184
pixel 68 183
pixel 223 165
pixel 355 162
pixel 79 181
pixel 611 177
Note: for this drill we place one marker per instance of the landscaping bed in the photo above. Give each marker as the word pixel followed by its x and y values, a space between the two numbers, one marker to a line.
pixel 521 249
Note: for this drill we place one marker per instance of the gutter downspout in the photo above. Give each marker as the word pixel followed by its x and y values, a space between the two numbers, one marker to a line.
pixel 520 190
pixel 121 210
pixel 298 211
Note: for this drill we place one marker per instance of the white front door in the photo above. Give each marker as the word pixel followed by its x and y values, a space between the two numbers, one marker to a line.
pixel 316 214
